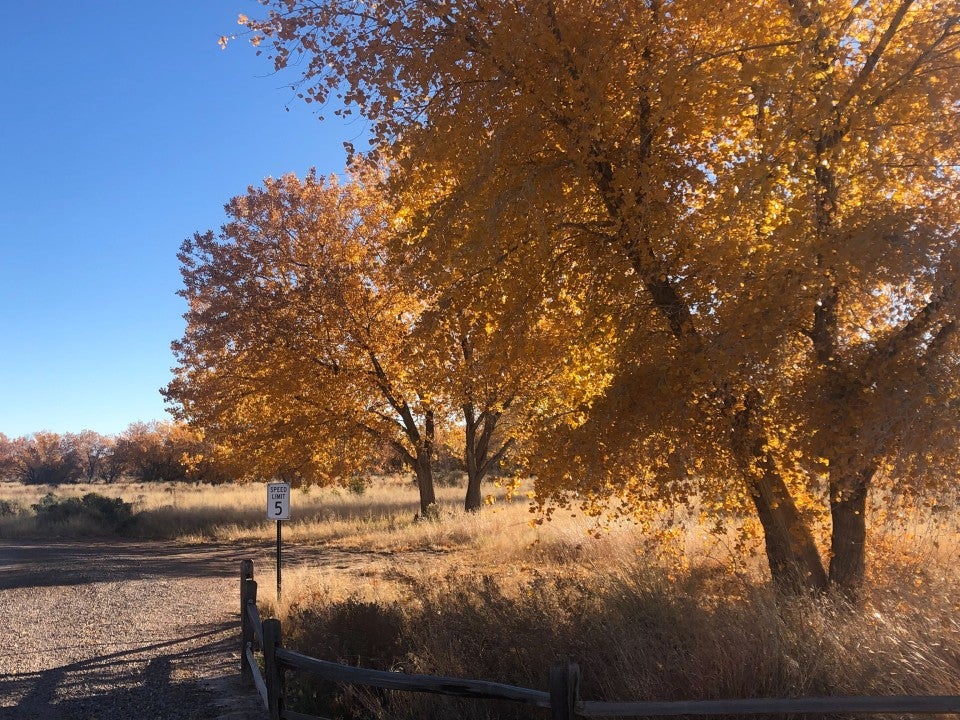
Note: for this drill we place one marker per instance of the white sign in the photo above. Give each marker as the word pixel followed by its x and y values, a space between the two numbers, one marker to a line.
pixel 278 501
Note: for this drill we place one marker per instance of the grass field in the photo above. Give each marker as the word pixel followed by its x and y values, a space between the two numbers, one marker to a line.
pixel 492 596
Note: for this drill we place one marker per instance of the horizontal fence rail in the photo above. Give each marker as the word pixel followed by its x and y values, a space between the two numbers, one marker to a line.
pixel 384 679
pixel 563 701
pixel 771 706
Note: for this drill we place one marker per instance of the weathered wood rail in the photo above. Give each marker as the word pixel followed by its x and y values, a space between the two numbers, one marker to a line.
pixel 563 700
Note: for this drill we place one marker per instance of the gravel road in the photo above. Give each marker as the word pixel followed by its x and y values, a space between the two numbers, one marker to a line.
pixel 108 629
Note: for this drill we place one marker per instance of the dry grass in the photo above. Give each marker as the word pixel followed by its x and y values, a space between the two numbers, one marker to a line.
pixel 233 513
pixel 490 596
pixel 501 600
pixel 639 631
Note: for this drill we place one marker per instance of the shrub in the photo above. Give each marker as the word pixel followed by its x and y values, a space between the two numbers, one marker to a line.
pixel 8 509
pixel 357 485
pixel 94 511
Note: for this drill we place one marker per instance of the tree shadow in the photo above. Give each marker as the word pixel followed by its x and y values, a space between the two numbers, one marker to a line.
pixel 141 682
pixel 43 564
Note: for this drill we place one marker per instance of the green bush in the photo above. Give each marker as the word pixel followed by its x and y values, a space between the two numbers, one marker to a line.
pixel 8 509
pixel 97 512
pixel 357 485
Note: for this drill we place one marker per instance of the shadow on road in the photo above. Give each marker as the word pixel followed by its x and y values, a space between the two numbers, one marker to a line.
pixel 135 683
pixel 35 564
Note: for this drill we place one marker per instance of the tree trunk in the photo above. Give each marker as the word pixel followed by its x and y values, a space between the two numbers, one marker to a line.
pixel 792 555
pixel 424 471
pixel 474 499
pixel 424 466
pixel 479 431
pixel 848 505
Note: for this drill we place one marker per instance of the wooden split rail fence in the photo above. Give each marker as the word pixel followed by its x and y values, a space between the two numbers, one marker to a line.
pixel 563 701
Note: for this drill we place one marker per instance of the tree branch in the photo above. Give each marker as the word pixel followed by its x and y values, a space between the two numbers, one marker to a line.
pixel 874 57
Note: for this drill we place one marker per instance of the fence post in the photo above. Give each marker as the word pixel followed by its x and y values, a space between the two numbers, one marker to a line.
pixel 272 638
pixel 246 627
pixel 564 690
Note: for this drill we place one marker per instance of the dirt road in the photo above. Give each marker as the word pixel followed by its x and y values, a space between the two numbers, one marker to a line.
pixel 111 629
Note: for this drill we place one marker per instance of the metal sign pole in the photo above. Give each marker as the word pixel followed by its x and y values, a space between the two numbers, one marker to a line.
pixel 278 508
pixel 278 565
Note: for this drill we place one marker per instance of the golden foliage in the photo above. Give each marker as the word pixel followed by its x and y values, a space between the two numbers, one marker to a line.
pixel 755 208
pixel 298 340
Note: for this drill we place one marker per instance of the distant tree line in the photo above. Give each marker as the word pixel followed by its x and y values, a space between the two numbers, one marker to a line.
pixel 146 452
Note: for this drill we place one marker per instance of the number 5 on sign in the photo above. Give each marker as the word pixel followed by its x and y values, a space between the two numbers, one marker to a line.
pixel 278 501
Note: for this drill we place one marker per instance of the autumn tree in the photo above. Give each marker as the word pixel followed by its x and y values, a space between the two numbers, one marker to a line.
pixel 94 452
pixel 7 457
pixel 150 452
pixel 772 189
pixel 46 458
pixel 163 451
pixel 504 386
pixel 508 365
pixel 864 102
pixel 299 352
pixel 54 458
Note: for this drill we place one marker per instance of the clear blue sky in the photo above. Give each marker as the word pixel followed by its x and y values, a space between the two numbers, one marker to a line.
pixel 124 128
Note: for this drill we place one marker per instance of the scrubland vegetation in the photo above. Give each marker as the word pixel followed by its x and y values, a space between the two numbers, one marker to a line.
pixel 682 613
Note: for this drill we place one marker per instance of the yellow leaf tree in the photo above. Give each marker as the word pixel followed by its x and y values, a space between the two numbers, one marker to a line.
pixel 771 190
pixel 510 360
pixel 298 357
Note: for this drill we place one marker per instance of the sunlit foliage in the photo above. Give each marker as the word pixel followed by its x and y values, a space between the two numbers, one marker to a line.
pixel 765 194
pixel 299 357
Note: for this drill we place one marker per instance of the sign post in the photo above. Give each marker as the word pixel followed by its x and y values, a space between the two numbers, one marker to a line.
pixel 278 508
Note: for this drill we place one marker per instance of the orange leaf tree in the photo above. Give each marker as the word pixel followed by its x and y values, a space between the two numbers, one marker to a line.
pixel 508 359
pixel 298 357
pixel 308 347
pixel 770 190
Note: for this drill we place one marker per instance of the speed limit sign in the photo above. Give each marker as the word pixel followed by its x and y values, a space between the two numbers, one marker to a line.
pixel 278 501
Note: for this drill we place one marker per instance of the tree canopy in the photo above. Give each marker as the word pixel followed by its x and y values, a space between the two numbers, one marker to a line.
pixel 298 341
pixel 310 345
pixel 759 202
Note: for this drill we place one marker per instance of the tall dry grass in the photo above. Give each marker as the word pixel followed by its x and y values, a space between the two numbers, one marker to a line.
pixel 636 634
pixel 491 596
pixel 501 600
